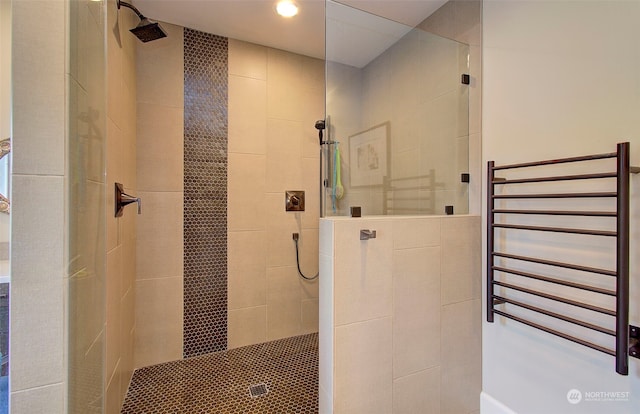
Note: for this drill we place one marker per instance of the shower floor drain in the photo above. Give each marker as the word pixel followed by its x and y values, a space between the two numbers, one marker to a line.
pixel 258 390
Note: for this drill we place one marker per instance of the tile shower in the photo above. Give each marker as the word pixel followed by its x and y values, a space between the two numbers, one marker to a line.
pixel 272 96
pixel 218 189
pixel 158 267
pixel 262 144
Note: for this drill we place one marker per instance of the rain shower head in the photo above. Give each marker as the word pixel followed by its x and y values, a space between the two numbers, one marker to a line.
pixel 147 30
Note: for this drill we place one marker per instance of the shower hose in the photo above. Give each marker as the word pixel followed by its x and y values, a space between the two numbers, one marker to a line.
pixel 295 239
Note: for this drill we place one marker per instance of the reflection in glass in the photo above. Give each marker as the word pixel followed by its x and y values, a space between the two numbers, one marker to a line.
pixel 396 105
pixel 86 206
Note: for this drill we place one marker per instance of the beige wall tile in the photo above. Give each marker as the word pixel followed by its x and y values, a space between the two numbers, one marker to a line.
pixel 159 311
pixel 114 65
pixel 416 310
pixel 326 332
pixel 160 67
pixel 36 362
pixel 247 326
pixel 312 76
pixel 311 187
pixel 113 311
pixel 37 281
pixel 130 107
pixel 460 388
pixel 284 305
pixel 246 208
pixel 130 151
pixel 363 365
pixel 160 235
pixel 128 275
pixel 266 158
pixel 112 395
pixel 247 117
pixel 88 230
pixel 114 174
pixel 38 96
pixel 284 67
pixel 129 46
pixel 280 226
pixel 284 98
pixel 87 380
pixel 309 316
pixel 461 259
pixel 247 59
pixel 121 167
pixel 160 141
pixel 417 393
pixel 461 334
pixel 37 219
pixel 246 261
pixel 127 366
pixel 87 292
pixel 308 256
pixel 420 232
pixel 42 400
pixel 284 155
pixel 426 339
pixel 128 314
pixel 363 281
pixel 313 109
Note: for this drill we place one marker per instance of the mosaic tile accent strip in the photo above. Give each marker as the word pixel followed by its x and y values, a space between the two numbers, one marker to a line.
pixel 219 382
pixel 205 193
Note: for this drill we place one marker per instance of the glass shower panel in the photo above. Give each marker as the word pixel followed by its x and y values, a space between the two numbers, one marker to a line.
pixel 86 143
pixel 397 114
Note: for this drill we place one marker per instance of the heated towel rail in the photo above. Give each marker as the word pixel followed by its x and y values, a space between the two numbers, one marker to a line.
pixel 502 266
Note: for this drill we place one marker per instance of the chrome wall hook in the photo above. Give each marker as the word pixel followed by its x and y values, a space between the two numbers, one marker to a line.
pixel 123 199
pixel 367 234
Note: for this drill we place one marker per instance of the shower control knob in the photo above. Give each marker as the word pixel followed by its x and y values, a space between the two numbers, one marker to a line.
pixel 294 200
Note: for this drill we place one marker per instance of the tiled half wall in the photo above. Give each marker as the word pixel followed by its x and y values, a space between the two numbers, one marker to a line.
pixel 400 314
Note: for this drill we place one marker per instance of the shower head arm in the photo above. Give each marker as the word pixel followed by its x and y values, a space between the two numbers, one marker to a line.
pixel 132 7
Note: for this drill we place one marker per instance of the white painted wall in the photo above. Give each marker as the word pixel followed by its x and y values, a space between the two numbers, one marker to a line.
pixel 560 79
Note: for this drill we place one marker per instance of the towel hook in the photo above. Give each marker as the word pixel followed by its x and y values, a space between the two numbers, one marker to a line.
pixel 367 234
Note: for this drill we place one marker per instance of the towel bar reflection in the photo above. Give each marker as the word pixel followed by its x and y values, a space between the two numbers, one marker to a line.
pixel 367 234
pixel 123 199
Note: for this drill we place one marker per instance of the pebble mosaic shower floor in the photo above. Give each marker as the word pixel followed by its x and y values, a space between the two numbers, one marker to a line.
pixel 220 382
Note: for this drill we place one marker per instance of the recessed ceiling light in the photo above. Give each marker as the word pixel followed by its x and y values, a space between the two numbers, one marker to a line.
pixel 287 8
